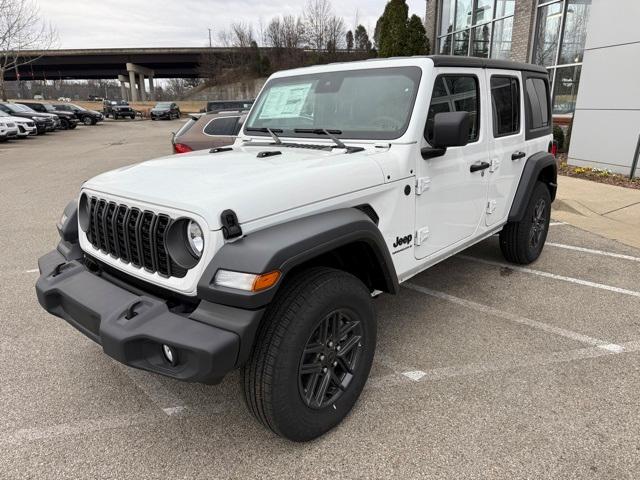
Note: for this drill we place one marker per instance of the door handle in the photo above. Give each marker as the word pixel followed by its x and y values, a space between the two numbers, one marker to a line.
pixel 517 155
pixel 479 166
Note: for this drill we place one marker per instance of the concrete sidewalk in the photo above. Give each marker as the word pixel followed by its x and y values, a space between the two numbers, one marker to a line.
pixel 610 211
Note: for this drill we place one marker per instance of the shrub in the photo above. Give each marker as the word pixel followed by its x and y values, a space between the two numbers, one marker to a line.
pixel 558 136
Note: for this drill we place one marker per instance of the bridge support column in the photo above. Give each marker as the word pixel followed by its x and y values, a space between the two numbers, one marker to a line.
pixel 132 85
pixel 134 69
pixel 152 89
pixel 141 88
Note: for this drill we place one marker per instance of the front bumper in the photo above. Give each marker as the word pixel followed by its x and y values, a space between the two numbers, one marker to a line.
pixel 25 130
pixel 132 327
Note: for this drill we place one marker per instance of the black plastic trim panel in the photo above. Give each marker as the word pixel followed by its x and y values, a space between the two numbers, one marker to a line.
pixel 535 164
pixel 285 246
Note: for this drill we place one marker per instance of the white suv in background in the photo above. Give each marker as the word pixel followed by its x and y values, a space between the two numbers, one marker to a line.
pixel 23 126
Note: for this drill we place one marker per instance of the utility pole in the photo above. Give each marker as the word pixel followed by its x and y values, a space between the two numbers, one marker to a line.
pixel 210 42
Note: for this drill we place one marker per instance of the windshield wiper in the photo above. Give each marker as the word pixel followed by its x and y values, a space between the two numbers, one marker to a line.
pixel 270 131
pixel 323 131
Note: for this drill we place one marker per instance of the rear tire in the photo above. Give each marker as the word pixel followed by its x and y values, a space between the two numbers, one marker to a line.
pixel 64 124
pixel 322 320
pixel 522 242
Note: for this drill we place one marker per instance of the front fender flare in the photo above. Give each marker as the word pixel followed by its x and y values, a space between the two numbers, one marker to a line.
pixel 287 245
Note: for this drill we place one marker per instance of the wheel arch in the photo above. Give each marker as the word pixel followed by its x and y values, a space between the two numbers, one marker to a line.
pixel 346 239
pixel 542 167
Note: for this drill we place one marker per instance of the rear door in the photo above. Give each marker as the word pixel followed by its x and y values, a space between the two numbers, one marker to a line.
pixel 506 141
pixel 450 198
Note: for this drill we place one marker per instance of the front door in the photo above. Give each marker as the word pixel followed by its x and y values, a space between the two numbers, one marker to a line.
pixel 451 198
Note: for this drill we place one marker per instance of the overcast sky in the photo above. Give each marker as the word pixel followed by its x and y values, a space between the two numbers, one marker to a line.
pixel 181 23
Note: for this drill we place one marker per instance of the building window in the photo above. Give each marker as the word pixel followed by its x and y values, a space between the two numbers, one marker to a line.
pixel 559 38
pixel 480 28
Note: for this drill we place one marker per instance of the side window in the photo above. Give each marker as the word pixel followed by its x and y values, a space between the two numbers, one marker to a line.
pixel 221 126
pixel 538 95
pixel 505 99
pixel 455 93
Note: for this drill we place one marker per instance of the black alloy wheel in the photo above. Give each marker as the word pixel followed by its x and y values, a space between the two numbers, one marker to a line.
pixel 329 359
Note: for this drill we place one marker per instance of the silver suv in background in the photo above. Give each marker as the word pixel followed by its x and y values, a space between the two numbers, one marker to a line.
pixel 209 130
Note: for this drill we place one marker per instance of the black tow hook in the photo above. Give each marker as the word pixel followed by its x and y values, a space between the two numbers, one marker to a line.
pixel 58 270
pixel 131 312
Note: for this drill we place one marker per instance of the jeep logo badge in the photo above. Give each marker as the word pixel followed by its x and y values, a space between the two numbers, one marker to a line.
pixel 402 241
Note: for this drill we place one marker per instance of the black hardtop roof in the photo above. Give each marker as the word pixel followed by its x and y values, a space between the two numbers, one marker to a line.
pixel 475 62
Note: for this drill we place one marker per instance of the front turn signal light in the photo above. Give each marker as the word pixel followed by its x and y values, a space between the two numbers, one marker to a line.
pixel 249 282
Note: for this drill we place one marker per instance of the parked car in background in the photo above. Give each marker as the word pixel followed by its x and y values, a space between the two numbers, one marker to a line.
pixel 68 120
pixel 209 130
pixel 24 127
pixel 8 129
pixel 224 105
pixel 118 109
pixel 87 117
pixel 44 121
pixel 165 110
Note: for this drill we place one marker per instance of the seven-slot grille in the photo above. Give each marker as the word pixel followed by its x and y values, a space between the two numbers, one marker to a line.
pixel 134 236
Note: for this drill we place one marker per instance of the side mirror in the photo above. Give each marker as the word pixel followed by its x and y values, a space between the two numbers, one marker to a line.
pixel 450 129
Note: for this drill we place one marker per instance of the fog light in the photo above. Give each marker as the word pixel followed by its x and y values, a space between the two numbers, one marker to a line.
pixel 170 354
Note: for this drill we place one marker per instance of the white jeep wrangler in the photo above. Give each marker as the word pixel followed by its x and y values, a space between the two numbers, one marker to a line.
pixel 346 180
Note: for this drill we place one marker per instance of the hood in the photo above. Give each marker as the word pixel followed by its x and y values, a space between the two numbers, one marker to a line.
pixel 120 107
pixel 46 115
pixel 15 119
pixel 208 183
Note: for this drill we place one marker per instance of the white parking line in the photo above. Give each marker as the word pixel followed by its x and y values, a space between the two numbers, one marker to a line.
pixel 478 307
pixel 542 359
pixel 77 428
pixel 555 224
pixel 577 281
pixel 593 251
pixel 34 270
pixel 167 401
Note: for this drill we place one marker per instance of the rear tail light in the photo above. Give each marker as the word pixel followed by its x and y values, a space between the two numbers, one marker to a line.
pixel 553 148
pixel 181 148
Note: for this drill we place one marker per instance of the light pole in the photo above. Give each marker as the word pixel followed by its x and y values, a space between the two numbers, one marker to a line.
pixel 210 42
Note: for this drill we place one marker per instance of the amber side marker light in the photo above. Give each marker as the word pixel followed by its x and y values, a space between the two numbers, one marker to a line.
pixel 266 280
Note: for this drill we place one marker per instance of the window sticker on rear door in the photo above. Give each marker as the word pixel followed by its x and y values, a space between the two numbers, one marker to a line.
pixel 285 101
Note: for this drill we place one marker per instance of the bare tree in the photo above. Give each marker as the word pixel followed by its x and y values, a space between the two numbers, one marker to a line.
pixel 21 29
pixel 335 34
pixel 317 16
pixel 293 32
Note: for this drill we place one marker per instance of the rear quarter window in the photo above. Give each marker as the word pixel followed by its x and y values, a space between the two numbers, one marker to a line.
pixel 222 126
pixel 537 103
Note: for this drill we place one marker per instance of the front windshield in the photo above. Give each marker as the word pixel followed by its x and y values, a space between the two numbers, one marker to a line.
pixel 4 114
pixel 14 107
pixel 76 107
pixel 49 108
pixel 163 105
pixel 360 104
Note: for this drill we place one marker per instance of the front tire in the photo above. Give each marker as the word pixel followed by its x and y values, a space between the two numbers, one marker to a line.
pixel 522 242
pixel 312 355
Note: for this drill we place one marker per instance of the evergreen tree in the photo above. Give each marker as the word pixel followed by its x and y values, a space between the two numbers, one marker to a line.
pixel 393 29
pixel 416 43
pixel 349 41
pixel 361 39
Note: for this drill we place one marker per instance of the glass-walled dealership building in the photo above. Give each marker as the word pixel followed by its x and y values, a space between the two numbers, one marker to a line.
pixel 551 33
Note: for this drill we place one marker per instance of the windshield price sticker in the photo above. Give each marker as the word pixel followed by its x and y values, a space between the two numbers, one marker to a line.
pixel 285 101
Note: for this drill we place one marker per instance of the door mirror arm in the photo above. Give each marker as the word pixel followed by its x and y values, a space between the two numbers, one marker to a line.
pixel 432 152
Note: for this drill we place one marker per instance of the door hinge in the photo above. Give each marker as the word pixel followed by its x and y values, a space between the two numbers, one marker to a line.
pixel 495 164
pixel 491 206
pixel 422 184
pixel 422 235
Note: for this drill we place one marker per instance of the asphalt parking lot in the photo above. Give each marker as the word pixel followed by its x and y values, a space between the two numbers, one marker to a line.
pixel 483 370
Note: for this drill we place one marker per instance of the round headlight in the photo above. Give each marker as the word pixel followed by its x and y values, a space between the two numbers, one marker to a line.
pixel 196 238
